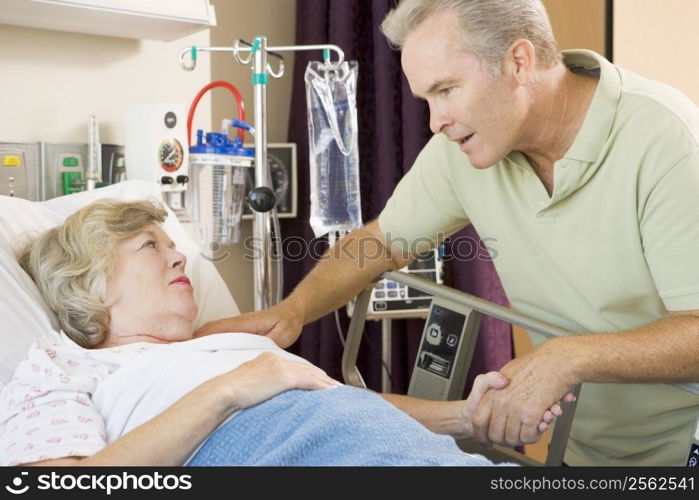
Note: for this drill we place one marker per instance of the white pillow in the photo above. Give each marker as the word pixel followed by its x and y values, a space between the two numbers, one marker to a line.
pixel 25 316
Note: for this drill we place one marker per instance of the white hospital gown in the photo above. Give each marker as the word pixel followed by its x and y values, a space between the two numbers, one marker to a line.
pixel 47 409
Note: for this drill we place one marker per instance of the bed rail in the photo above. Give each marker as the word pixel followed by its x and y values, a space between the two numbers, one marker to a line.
pixel 563 424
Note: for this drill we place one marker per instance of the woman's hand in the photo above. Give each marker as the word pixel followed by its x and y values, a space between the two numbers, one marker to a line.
pixel 268 375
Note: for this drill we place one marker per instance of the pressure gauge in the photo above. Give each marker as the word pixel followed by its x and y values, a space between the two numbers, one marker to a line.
pixel 170 154
pixel 280 181
pixel 281 158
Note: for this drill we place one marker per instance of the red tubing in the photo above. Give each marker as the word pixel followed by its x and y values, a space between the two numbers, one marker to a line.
pixel 238 99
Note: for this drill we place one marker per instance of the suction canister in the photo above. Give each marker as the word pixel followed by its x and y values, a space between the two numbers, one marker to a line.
pixel 218 168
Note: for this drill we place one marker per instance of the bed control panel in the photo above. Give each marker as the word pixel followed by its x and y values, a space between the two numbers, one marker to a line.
pixel 445 352
pixel 392 299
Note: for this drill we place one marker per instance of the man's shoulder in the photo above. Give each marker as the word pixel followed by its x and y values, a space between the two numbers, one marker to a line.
pixel 658 107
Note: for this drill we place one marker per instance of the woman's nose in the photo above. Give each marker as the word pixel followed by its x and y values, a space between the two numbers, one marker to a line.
pixel 179 259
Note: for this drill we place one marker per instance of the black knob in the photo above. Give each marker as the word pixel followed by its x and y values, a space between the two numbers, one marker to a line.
pixel 182 179
pixel 166 180
pixel 262 199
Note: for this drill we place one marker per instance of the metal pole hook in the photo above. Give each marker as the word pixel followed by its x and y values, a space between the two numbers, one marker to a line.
pixel 237 49
pixel 193 58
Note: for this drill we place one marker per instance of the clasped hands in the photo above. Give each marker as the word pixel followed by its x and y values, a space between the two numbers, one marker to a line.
pixel 521 411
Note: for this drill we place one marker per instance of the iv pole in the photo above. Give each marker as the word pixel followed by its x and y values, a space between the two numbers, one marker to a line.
pixel 261 70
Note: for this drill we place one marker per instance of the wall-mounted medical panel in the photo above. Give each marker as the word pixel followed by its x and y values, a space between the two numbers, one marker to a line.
pixel 63 165
pixel 20 170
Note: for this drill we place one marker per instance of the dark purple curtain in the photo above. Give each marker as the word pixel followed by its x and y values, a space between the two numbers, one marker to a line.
pixel 393 128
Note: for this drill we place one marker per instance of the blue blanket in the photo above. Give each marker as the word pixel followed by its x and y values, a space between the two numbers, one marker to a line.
pixel 346 426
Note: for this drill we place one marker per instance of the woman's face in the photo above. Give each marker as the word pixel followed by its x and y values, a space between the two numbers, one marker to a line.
pixel 152 297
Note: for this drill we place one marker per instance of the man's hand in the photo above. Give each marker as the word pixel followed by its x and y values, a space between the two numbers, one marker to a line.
pixel 493 380
pixel 538 381
pixel 280 323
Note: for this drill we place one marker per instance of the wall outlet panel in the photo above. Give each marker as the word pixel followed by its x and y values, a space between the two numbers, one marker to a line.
pixel 20 170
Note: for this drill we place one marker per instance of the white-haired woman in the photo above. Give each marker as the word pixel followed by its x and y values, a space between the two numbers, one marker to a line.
pixel 126 382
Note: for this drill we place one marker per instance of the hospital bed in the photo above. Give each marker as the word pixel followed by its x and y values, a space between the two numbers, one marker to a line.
pixel 445 353
pixel 439 373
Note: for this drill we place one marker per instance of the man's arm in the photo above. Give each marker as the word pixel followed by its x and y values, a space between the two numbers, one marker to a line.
pixel 665 351
pixel 339 276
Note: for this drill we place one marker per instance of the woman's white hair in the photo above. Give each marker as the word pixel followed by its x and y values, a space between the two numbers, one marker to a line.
pixel 489 27
pixel 71 263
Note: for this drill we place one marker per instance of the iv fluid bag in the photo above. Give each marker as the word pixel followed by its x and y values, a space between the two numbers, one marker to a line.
pixel 331 97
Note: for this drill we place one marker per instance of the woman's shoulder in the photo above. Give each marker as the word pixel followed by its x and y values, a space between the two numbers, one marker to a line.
pixel 54 357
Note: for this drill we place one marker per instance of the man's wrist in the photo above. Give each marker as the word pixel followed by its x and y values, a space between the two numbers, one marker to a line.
pixel 573 358
pixel 294 307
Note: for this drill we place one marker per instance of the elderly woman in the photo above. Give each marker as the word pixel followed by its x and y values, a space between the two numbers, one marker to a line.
pixel 127 383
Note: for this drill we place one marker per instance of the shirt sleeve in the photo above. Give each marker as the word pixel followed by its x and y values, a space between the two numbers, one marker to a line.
pixel 424 208
pixel 47 412
pixel 669 225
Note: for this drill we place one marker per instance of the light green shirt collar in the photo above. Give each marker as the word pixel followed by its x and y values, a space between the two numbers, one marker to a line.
pixel 596 127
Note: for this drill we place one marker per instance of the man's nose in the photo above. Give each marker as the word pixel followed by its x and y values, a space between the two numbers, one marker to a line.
pixel 439 120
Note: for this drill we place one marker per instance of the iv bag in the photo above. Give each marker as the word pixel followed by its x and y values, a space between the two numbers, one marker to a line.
pixel 331 96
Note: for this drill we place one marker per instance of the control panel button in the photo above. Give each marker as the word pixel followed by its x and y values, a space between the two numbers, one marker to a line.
pixel 434 334
pixel 11 161
pixel 393 294
pixel 380 285
pixel 379 295
pixel 166 180
pixel 392 284
pixel 452 340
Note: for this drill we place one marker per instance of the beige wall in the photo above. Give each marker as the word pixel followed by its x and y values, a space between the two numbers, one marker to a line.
pixel 659 39
pixel 577 24
pixel 275 19
pixel 53 80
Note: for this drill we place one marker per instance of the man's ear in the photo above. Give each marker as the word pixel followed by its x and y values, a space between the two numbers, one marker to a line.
pixel 519 61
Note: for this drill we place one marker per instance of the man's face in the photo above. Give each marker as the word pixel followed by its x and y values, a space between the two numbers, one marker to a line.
pixel 479 112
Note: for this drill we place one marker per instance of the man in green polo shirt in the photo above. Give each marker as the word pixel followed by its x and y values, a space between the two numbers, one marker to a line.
pixel 586 179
